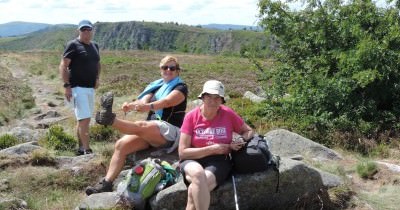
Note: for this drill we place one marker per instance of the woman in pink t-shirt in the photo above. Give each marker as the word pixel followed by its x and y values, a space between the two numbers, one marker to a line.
pixel 205 144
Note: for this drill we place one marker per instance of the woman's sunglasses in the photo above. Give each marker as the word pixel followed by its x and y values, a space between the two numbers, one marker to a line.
pixel 171 68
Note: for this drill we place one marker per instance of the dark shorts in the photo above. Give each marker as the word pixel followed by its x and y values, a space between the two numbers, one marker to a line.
pixel 219 165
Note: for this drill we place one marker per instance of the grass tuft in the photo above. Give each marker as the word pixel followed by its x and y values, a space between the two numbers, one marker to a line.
pixel 367 169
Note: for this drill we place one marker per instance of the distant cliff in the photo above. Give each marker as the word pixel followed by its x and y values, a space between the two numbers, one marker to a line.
pixel 173 37
pixel 136 35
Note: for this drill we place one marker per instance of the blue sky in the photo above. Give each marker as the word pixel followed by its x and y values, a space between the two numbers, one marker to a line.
pixel 191 12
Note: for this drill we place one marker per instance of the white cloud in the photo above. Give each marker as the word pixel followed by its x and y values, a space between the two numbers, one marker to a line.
pixel 190 12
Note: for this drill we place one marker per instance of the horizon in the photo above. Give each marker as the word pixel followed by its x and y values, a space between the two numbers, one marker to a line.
pixel 121 21
pixel 234 12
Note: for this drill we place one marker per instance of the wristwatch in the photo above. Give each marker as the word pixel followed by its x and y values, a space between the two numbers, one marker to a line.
pixel 67 85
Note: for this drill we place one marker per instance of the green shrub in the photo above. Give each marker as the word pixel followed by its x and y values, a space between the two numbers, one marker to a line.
pixel 337 63
pixel 251 112
pixel 42 157
pixel 367 170
pixel 8 140
pixel 102 133
pixel 57 139
pixel 382 150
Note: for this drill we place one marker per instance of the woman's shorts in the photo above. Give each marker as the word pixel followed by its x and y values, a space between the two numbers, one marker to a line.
pixel 171 133
pixel 219 165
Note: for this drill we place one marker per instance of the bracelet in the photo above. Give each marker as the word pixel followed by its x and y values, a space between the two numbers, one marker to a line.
pixel 152 106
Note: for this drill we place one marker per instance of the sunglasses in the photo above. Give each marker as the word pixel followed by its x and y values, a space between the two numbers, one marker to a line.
pixel 85 29
pixel 171 68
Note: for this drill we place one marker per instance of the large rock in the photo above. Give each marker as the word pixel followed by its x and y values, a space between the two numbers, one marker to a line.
pixel 253 97
pixel 75 164
pixel 105 200
pixel 287 144
pixel 300 186
pixel 24 149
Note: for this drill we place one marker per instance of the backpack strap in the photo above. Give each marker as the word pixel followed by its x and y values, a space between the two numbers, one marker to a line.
pixel 273 160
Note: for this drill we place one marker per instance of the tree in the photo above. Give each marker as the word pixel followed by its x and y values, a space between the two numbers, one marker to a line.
pixel 338 62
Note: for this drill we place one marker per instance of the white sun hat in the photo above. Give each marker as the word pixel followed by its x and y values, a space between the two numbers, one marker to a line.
pixel 213 87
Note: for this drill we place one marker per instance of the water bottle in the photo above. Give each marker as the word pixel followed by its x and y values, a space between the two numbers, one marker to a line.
pixel 135 178
pixel 160 186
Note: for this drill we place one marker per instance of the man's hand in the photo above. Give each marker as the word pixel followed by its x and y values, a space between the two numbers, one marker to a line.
pixel 68 93
pixel 97 83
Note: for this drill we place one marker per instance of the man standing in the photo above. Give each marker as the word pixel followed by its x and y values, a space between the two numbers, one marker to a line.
pixel 80 70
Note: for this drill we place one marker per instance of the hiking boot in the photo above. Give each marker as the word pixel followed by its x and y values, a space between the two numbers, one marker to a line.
pixel 105 116
pixel 83 152
pixel 106 101
pixel 102 186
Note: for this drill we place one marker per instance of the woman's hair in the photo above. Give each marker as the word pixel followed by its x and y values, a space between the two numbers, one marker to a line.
pixel 169 58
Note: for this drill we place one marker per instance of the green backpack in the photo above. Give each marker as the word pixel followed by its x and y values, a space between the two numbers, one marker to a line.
pixel 144 180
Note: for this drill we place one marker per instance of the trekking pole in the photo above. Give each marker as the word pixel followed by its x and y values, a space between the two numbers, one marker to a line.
pixel 235 194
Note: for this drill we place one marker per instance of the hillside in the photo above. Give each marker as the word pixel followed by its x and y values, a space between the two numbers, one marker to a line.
pixel 20 28
pixel 135 35
pixel 46 185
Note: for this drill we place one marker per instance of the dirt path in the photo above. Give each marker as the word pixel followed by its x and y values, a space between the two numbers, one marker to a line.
pixel 48 99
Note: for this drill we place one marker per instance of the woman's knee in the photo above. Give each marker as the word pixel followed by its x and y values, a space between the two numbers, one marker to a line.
pixel 211 181
pixel 143 125
pixel 197 175
pixel 122 144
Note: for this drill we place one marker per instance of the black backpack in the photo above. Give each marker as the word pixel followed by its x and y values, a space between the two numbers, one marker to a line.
pixel 255 156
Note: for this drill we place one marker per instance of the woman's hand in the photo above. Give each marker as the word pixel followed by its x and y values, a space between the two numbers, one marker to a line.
pixel 129 106
pixel 221 149
pixel 126 107
pixel 237 145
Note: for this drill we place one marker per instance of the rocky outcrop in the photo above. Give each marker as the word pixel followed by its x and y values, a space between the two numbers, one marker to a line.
pixel 300 185
pixel 134 35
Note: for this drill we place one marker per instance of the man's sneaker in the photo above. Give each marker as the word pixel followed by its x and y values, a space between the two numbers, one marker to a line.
pixel 102 186
pixel 105 116
pixel 84 151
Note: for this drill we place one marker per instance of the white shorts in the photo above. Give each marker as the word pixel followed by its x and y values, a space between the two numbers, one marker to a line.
pixel 83 102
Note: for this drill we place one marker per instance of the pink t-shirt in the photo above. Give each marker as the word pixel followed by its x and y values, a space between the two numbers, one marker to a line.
pixel 218 130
